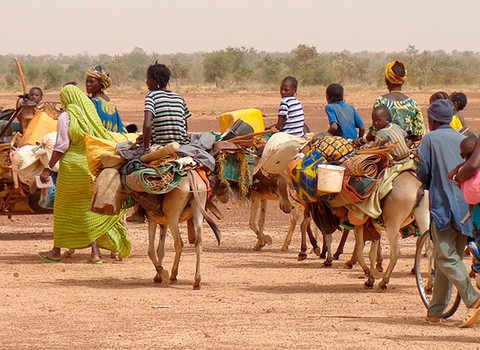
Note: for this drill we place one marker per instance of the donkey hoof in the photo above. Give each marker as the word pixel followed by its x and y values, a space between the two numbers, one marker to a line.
pixel 196 285
pixel 368 284
pixel 161 277
pixel 285 248
pixel 267 239
pixel 348 265
pixel 379 267
pixel 258 247
pixel 302 256
pixel 317 252
pixel 382 286
pixel 336 256
pixel 327 263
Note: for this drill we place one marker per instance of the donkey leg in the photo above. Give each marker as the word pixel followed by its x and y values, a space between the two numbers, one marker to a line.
pixel 328 243
pixel 293 223
pixel 254 208
pixel 341 245
pixel 302 255
pixel 197 224
pixel 392 234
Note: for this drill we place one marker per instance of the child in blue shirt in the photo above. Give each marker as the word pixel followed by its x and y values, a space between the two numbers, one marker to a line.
pixel 344 120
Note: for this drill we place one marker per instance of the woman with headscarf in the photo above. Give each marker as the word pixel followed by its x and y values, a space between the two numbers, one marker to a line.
pixel 74 225
pixel 403 109
pixel 97 81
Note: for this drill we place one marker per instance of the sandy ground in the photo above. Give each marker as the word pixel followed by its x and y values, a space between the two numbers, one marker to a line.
pixel 249 300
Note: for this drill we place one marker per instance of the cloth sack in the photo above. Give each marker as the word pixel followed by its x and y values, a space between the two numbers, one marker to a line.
pixel 107 193
pixel 94 147
pixel 279 151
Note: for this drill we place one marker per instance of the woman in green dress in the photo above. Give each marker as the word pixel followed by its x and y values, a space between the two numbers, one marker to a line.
pixel 74 225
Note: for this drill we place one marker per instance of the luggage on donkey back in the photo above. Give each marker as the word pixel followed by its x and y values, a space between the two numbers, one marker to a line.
pixel 324 150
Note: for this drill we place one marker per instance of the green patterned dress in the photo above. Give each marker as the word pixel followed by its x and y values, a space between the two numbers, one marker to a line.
pixel 75 226
pixel 407 114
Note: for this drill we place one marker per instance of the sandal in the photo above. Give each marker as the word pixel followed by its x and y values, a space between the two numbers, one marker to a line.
pixel 471 318
pixel 432 320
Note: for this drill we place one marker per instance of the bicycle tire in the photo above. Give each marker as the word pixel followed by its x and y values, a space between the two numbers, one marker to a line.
pixel 425 275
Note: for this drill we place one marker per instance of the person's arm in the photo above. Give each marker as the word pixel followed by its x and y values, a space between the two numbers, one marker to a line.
pixel 424 166
pixel 470 166
pixel 332 119
pixel 333 127
pixel 62 143
pixel 147 129
pixel 280 122
pixel 418 125
pixel 361 131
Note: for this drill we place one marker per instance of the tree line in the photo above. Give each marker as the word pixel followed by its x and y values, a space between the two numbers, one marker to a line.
pixel 242 67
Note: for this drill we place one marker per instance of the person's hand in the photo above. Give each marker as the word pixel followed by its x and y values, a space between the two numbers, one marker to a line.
pixel 45 175
pixel 357 142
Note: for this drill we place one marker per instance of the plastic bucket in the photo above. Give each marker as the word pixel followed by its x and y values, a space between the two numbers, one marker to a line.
pixel 330 178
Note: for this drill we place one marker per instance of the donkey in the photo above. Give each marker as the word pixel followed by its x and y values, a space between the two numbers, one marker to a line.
pixel 186 202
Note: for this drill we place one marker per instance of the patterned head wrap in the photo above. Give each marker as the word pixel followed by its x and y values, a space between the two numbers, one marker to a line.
pixel 99 73
pixel 392 77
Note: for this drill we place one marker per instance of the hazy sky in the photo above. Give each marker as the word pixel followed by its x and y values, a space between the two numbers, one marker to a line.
pixel 117 26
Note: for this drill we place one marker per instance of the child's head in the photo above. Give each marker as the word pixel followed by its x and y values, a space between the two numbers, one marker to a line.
pixel 459 100
pixel 35 94
pixel 466 146
pixel 158 76
pixel 288 87
pixel 439 95
pixel 334 93
pixel 380 117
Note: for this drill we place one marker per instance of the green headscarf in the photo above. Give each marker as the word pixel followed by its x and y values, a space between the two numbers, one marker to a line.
pixel 80 107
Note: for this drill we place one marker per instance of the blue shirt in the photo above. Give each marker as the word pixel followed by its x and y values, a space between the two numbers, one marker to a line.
pixel 346 117
pixel 439 153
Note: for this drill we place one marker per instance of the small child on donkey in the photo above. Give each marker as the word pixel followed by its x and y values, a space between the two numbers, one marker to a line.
pixel 343 118
pixel 386 133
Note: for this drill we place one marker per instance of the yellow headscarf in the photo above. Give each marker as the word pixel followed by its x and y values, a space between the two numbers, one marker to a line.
pixel 392 77
pixel 99 73
pixel 80 107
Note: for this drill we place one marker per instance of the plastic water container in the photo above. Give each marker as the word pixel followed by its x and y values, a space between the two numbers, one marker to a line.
pixel 330 178
pixel 251 116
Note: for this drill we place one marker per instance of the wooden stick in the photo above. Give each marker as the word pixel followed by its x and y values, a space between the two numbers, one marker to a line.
pixel 247 136
pixel 22 77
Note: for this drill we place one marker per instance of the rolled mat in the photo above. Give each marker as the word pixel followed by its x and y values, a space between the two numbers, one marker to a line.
pixel 154 180
pixel 370 165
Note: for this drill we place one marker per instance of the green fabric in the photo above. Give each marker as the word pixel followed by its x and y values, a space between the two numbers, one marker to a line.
pixel 75 226
pixel 371 206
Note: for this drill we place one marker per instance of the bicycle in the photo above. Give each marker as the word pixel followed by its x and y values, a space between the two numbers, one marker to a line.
pixel 425 272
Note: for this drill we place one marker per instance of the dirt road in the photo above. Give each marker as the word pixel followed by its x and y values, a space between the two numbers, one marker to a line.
pixel 249 300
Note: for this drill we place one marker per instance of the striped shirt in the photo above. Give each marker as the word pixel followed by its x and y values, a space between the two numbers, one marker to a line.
pixel 292 110
pixel 390 134
pixel 170 113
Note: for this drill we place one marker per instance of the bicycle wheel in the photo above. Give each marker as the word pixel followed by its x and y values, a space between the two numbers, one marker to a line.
pixel 425 275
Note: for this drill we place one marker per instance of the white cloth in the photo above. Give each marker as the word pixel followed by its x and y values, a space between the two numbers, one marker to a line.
pixel 279 151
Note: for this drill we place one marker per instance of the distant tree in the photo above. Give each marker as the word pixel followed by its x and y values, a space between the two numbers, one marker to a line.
pixel 76 71
pixel 53 76
pixel 179 69
pixel 118 70
pixel 216 67
pixel 33 74
pixel 270 69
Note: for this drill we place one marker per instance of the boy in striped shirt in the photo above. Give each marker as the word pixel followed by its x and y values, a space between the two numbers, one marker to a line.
pixel 291 119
